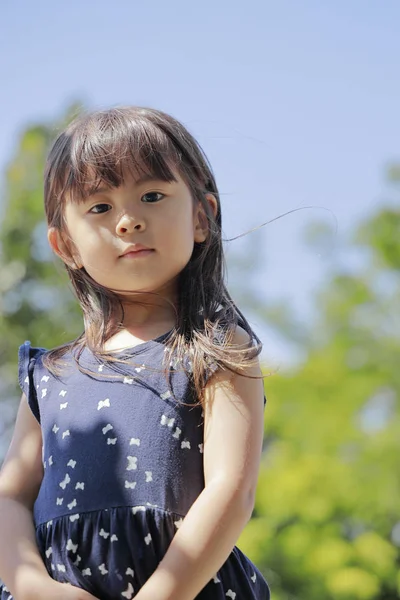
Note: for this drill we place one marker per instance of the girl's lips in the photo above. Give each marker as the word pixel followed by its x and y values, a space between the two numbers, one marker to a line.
pixel 137 253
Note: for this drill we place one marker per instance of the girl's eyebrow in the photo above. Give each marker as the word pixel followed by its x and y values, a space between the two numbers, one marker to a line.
pixel 104 189
pixel 95 191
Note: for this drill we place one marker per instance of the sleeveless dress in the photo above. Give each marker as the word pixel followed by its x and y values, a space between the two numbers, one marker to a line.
pixel 123 463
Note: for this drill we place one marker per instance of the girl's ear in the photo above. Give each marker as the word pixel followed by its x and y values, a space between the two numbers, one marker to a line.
pixel 201 222
pixel 60 248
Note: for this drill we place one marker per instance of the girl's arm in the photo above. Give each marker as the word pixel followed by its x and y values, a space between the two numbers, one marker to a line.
pixel 234 410
pixel 21 566
pixel 20 562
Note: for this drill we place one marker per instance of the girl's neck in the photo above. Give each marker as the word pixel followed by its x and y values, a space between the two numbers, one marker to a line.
pixel 144 319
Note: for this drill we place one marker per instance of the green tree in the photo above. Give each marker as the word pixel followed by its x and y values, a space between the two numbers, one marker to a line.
pixel 327 519
pixel 36 301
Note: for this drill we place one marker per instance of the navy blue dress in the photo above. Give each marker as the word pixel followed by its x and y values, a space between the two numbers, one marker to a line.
pixel 122 458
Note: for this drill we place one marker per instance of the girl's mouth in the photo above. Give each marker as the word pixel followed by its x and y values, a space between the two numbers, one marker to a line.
pixel 137 253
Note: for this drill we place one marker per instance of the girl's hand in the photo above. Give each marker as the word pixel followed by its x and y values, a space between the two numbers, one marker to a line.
pixel 49 589
pixel 66 591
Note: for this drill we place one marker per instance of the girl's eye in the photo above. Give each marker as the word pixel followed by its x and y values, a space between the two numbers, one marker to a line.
pixel 152 197
pixel 98 209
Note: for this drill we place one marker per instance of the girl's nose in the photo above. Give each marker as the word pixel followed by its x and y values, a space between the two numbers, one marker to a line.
pixel 128 223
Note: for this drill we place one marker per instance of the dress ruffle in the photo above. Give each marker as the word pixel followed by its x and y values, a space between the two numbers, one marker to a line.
pixel 111 553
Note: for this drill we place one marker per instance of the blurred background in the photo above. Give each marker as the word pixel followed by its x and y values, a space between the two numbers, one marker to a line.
pixel 297 106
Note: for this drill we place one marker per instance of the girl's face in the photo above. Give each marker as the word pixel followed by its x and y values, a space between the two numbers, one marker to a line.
pixel 157 220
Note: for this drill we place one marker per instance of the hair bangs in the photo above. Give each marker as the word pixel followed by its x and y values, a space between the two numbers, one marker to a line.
pixel 106 147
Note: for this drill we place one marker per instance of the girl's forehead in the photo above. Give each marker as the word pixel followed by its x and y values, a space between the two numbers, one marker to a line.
pixel 131 182
pixel 97 182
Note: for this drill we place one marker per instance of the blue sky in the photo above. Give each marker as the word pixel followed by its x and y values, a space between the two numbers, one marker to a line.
pixel 296 104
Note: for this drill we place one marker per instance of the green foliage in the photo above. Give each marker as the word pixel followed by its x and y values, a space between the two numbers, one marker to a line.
pixel 327 518
pixel 36 301
pixel 381 235
pixel 329 488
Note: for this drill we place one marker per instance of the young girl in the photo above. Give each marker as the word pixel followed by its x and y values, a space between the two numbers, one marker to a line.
pixel 133 466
